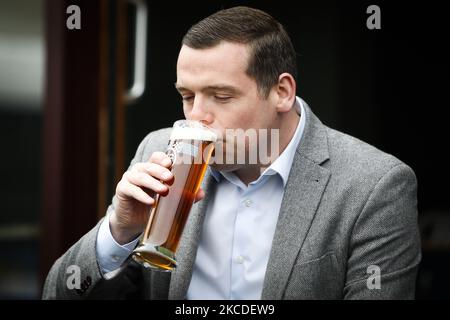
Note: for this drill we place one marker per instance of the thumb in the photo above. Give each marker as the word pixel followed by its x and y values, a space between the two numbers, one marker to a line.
pixel 199 195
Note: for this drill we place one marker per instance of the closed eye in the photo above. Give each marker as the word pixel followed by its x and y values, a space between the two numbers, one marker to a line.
pixel 223 99
pixel 187 98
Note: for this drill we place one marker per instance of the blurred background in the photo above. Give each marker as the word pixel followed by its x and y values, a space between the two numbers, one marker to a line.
pixel 74 105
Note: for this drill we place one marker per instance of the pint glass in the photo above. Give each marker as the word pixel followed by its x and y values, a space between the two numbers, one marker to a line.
pixel 190 147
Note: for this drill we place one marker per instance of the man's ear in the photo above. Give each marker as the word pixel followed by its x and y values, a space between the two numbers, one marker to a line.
pixel 286 92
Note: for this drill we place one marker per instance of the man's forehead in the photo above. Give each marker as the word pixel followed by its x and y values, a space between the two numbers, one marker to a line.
pixel 222 67
pixel 225 54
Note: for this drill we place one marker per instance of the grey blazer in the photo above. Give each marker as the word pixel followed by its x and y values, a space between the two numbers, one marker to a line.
pixel 347 207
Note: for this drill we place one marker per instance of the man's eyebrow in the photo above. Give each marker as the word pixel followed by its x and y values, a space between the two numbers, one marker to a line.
pixel 218 87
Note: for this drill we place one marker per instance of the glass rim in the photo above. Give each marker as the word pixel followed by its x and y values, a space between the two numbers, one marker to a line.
pixel 192 130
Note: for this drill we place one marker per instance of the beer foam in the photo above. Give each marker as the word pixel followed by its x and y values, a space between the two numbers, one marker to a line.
pixel 192 134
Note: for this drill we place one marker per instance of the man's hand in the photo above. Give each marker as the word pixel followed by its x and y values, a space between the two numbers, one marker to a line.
pixel 136 193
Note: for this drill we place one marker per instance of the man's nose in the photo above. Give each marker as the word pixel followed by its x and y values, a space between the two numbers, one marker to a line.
pixel 200 112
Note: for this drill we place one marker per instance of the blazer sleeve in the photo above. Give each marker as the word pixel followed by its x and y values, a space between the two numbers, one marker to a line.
pixel 385 249
pixel 123 283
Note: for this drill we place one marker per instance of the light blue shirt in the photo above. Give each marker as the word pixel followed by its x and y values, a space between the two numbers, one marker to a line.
pixel 237 233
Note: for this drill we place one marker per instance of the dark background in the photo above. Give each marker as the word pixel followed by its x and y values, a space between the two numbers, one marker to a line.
pixel 387 87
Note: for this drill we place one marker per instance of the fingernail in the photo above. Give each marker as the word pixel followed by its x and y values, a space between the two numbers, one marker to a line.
pixel 166 175
pixel 167 162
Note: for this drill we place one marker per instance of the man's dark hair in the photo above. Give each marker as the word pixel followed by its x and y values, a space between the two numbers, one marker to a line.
pixel 271 49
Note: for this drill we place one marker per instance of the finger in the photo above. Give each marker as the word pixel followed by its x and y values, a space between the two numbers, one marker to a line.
pixel 155 170
pixel 142 179
pixel 126 190
pixel 199 195
pixel 160 158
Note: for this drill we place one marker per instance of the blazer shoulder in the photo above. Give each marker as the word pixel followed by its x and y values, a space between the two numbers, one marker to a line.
pixel 153 141
pixel 352 156
pixel 157 137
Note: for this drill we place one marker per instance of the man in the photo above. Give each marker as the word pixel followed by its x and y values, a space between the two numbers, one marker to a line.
pixel 330 218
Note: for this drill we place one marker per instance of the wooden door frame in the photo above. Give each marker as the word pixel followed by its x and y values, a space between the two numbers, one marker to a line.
pixel 75 130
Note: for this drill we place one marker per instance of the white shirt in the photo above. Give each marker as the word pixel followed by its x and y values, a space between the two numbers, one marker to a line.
pixel 237 233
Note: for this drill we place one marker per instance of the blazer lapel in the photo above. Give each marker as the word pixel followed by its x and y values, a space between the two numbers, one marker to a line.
pixel 187 250
pixel 303 192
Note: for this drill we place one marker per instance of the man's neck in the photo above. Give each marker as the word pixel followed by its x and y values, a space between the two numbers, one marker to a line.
pixel 289 125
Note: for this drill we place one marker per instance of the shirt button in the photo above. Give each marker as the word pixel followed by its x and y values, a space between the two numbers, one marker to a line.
pixel 248 203
pixel 115 258
pixel 240 259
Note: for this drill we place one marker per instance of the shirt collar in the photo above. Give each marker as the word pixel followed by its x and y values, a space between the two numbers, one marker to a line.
pixel 281 165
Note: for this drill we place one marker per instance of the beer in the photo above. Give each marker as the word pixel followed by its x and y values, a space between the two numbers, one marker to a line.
pixel 190 148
